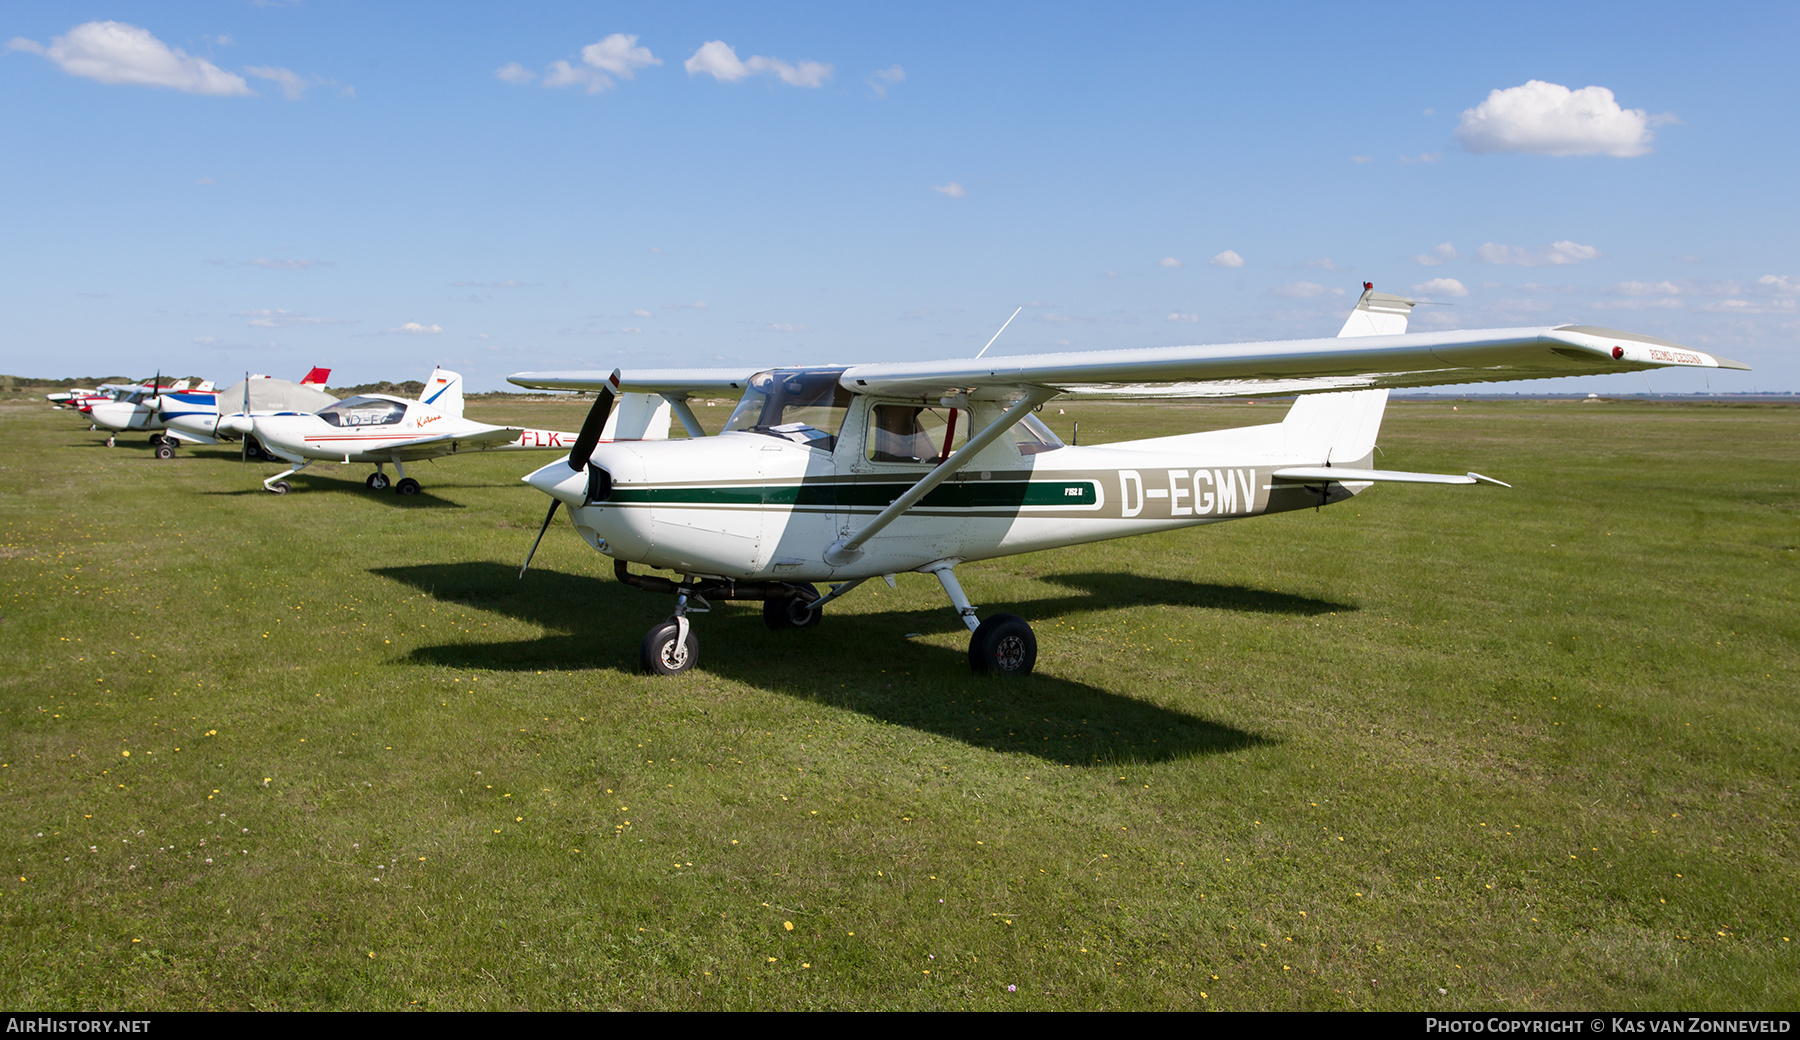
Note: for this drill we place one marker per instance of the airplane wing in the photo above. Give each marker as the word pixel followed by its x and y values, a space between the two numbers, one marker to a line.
pixel 1290 366
pixel 725 382
pixel 449 443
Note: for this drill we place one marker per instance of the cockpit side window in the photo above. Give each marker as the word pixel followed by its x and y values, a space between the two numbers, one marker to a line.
pixel 363 411
pixel 806 406
pixel 913 433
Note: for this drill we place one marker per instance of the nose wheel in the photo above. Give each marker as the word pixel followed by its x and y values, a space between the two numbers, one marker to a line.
pixel 377 481
pixel 670 648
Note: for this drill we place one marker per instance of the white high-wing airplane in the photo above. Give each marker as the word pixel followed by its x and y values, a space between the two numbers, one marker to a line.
pixel 135 407
pixel 381 429
pixel 841 474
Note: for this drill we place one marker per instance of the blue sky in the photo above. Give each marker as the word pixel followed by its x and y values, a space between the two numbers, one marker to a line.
pixel 210 188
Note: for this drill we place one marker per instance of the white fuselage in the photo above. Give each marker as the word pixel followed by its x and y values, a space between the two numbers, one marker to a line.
pixel 751 506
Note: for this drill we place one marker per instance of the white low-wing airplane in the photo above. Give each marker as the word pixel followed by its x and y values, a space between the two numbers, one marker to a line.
pixel 226 415
pixel 382 429
pixel 845 473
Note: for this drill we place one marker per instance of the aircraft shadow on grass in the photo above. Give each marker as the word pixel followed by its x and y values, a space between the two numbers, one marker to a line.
pixel 326 486
pixel 597 623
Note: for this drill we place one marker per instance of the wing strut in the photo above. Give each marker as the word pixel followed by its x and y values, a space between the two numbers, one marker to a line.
pixel 845 551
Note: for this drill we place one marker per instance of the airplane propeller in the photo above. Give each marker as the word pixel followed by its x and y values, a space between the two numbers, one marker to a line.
pixel 591 429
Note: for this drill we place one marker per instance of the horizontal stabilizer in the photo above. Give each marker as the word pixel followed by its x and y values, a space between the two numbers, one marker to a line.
pixel 1310 474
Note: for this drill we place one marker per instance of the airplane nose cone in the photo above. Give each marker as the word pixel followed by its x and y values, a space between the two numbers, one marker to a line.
pixel 568 486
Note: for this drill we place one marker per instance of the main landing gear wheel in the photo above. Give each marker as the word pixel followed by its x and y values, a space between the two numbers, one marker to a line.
pixel 165 450
pixel 1003 645
pixel 377 481
pixel 407 486
pixel 112 442
pixel 665 653
pixel 791 612
pixel 156 438
pixel 281 487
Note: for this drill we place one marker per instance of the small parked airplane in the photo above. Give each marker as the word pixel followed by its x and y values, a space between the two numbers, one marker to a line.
pixel 135 407
pixel 381 429
pixel 203 419
pixel 845 473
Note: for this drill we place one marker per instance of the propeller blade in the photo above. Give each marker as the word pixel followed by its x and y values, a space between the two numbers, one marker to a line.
pixel 534 545
pixel 594 426
pixel 244 450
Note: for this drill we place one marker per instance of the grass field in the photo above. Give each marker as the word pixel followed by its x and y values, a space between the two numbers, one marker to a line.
pixel 1430 748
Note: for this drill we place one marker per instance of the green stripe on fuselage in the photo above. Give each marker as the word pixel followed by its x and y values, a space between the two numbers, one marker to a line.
pixel 973 494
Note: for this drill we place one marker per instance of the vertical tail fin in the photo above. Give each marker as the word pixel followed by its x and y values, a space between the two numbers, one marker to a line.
pixel 1377 314
pixel 316 377
pixel 443 391
pixel 1339 429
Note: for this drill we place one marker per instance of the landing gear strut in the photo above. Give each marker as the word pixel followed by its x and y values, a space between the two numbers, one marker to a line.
pixel 672 648
pixel 1001 645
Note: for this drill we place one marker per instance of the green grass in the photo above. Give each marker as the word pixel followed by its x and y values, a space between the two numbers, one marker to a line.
pixel 1430 748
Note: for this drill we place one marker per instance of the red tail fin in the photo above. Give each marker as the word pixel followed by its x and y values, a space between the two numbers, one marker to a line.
pixel 316 377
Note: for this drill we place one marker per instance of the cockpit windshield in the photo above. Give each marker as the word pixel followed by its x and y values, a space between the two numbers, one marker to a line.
pixel 803 405
pixel 363 411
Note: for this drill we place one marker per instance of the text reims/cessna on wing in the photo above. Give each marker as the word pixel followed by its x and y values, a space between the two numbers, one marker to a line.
pixel 842 474
pixel 380 429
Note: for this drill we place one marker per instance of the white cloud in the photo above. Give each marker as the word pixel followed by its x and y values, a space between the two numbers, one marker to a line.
pixel 1422 157
pixel 1556 254
pixel 953 189
pixel 620 55
pixel 413 328
pixel 117 53
pixel 717 59
pixel 1168 261
pixel 292 85
pixel 1362 158
pixel 881 80
pixel 1178 316
pixel 1442 253
pixel 1542 118
pixel 1323 265
pixel 1441 287
pixel 640 314
pixel 1228 258
pixel 276 318
pixel 617 55
pixel 1644 289
pixel 782 326
pixel 1780 285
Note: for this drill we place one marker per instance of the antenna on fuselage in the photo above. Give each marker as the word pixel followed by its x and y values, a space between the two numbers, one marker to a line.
pixel 990 342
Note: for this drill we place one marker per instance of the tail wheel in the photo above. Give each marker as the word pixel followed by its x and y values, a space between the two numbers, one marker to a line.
pixel 791 611
pixel 1003 645
pixel 664 651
